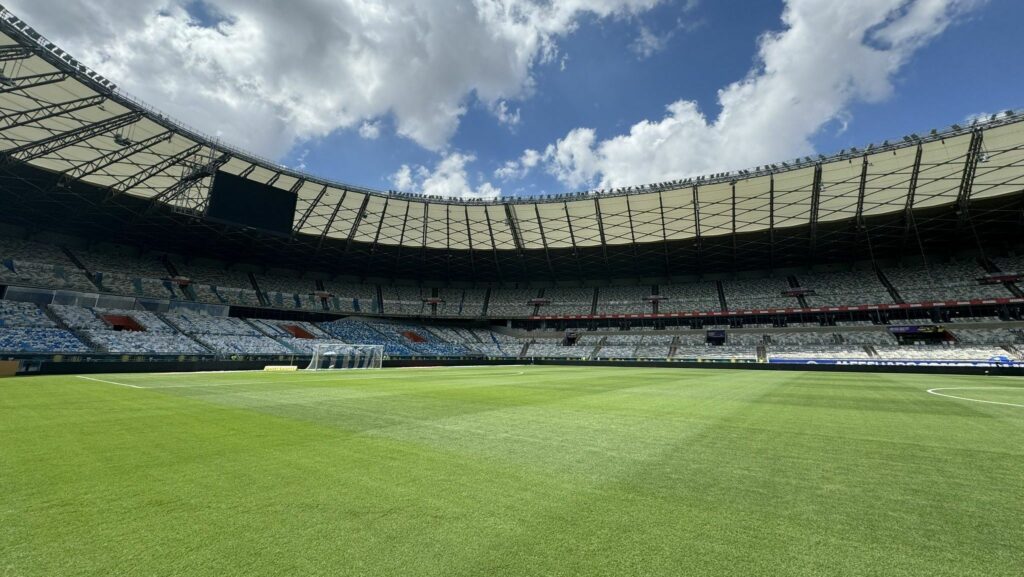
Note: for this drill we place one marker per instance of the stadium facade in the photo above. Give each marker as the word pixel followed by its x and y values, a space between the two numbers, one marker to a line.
pixel 111 206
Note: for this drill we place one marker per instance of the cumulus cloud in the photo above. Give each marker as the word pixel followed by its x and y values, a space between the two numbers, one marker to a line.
pixel 448 178
pixel 265 74
pixel 506 115
pixel 370 130
pixel 520 168
pixel 829 55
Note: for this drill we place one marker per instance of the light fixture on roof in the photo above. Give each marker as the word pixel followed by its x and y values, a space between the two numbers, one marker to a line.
pixel 957 127
pixel 120 140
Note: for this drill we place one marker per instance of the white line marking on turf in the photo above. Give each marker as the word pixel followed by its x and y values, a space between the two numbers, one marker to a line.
pixel 281 381
pixel 933 392
pixel 111 382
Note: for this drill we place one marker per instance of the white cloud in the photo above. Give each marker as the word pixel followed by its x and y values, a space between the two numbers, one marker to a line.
pixel 447 179
pixel 370 130
pixel 270 73
pixel 829 55
pixel 505 115
pixel 517 169
pixel 648 43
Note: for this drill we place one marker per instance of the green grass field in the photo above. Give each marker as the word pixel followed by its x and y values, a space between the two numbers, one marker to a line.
pixel 513 471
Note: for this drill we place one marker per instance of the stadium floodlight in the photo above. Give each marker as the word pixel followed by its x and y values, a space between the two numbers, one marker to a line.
pixel 341 356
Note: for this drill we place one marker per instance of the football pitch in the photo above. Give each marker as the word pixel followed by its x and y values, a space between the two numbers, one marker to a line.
pixel 512 471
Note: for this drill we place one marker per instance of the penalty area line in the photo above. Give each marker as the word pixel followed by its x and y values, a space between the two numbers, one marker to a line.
pixel 935 392
pixel 110 382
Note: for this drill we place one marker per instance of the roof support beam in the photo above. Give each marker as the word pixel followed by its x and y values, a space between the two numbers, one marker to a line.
pixel 21 118
pixel 33 81
pixel 664 235
pixel 513 226
pixel 356 221
pixel 908 207
pixel 494 245
pixel 40 148
pixel 334 215
pixel 97 164
pixel 469 240
pixel 815 203
pixel 423 237
pixel 309 210
pixel 142 176
pixel 771 221
pixel 600 231
pixel 10 52
pixel 862 188
pixel 544 240
pixel 735 248
pixel 199 174
pixel 632 238
pixel 963 199
pixel 698 239
pixel 572 239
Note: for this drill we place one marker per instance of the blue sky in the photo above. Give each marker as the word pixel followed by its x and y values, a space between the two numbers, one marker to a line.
pixel 449 96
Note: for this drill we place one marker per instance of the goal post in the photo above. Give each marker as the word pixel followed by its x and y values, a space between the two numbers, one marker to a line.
pixel 339 355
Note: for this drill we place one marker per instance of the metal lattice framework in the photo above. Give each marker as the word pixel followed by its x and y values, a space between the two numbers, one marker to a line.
pixel 78 152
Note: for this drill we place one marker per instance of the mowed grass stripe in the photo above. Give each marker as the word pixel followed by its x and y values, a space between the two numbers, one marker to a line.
pixel 558 471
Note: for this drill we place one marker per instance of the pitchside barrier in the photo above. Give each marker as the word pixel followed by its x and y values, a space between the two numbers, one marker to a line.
pixel 9 368
pixel 86 367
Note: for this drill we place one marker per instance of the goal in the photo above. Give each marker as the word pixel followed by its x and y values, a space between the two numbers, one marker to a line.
pixel 338 355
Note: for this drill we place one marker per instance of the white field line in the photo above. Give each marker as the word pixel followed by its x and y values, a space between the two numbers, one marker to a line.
pixel 274 382
pixel 110 382
pixel 935 392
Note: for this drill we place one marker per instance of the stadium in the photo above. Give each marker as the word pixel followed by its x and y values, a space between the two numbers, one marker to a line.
pixel 805 367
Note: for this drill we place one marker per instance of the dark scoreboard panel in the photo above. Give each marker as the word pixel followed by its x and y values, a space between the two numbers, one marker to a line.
pixel 237 200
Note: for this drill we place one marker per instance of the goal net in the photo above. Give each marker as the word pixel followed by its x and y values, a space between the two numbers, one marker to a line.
pixel 338 355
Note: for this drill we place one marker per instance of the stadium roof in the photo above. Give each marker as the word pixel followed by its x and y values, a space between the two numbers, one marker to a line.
pixel 81 155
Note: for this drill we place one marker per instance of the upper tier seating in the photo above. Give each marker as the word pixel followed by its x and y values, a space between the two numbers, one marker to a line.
pixel 215 285
pixel 401 300
pixel 44 275
pixel 684 297
pixel 567 301
pixel 943 282
pixel 351 297
pixel 842 288
pixel 513 303
pixel 624 300
pixel 461 302
pixel 761 293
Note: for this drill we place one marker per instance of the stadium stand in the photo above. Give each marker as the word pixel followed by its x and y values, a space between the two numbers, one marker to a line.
pixel 943 281
pixel 624 300
pixel 843 288
pixel 696 296
pixel 762 293
pixel 511 302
